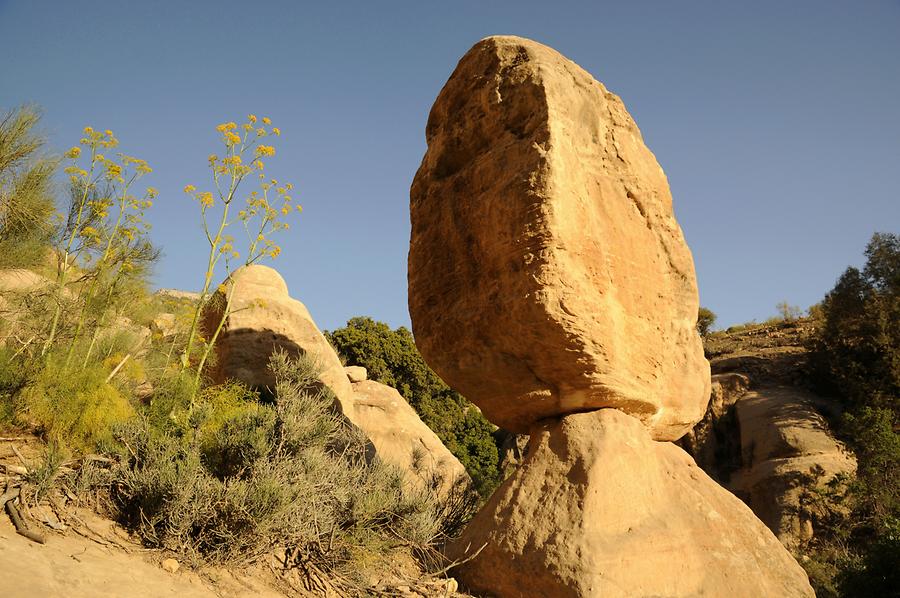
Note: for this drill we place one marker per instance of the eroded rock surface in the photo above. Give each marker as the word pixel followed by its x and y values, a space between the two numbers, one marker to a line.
pixel 787 450
pixel 264 319
pixel 547 273
pixel 600 509
pixel 400 437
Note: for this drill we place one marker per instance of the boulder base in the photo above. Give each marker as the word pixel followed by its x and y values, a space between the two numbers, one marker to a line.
pixel 600 509
pixel 547 273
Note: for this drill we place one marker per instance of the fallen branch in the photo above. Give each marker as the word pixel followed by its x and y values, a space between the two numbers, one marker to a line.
pixel 15 469
pixel 21 528
pixel 19 455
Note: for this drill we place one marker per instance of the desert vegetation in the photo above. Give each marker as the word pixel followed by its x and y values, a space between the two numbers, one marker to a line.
pixel 212 473
pixel 391 357
pixel 855 356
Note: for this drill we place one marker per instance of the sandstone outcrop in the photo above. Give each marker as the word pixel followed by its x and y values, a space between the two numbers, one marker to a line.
pixel 401 438
pixel 713 442
pixel 600 509
pixel 786 451
pixel 263 319
pixel 545 251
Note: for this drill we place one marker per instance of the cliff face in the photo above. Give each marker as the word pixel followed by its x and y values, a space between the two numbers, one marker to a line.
pixel 765 435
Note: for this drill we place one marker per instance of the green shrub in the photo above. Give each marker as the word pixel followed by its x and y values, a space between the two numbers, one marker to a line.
pixel 77 408
pixel 26 201
pixel 855 354
pixel 391 357
pixel 705 320
pixel 243 478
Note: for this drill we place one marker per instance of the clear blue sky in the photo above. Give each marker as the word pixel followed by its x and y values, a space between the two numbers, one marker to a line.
pixel 778 123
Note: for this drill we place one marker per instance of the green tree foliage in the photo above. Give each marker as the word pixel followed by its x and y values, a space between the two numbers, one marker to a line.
pixel 391 357
pixel 705 320
pixel 857 349
pixel 26 200
pixel 856 355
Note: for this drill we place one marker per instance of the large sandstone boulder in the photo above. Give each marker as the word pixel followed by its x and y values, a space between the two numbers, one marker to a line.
pixel 600 509
pixel 401 438
pixel 787 450
pixel 547 273
pixel 264 319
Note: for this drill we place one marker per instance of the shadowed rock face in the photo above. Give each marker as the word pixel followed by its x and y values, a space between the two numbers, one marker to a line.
pixel 264 319
pixel 600 509
pixel 547 273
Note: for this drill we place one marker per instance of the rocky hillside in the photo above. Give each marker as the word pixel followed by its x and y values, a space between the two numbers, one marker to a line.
pixel 765 435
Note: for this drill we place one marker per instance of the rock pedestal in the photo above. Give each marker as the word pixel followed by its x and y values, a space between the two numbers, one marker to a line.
pixel 545 251
pixel 600 509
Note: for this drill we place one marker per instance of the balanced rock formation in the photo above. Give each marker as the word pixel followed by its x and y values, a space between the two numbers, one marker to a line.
pixel 263 319
pixel 551 285
pixel 545 251
pixel 402 438
pixel 787 451
pixel 600 509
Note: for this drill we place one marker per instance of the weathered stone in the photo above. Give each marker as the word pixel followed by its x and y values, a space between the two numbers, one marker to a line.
pixel 547 273
pixel 264 319
pixel 401 438
pixel 600 509
pixel 356 373
pixel 714 442
pixel 164 324
pixel 787 451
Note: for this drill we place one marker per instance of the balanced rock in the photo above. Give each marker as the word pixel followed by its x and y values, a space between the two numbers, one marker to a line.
pixel 401 438
pixel 600 509
pixel 547 273
pixel 264 319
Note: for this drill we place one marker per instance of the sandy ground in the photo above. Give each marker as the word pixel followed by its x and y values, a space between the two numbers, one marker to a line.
pixel 75 567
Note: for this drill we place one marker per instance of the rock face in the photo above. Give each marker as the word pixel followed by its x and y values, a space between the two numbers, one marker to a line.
pixel 356 373
pixel 786 450
pixel 264 319
pixel 401 438
pixel 600 509
pixel 545 251
pixel 713 442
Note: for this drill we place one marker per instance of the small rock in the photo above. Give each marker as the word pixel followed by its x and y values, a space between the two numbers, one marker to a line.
pixel 171 565
pixel 356 373
pixel 164 324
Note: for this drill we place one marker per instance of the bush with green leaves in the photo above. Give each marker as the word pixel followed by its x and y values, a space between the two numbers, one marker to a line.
pixel 26 185
pixel 237 479
pixel 855 355
pixel 391 357
pixel 705 320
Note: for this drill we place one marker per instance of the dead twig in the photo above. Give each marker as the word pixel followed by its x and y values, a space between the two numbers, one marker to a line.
pixel 115 371
pixel 19 455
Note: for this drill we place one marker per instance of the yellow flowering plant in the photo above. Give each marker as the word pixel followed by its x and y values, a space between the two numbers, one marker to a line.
pixel 259 212
pixel 104 237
